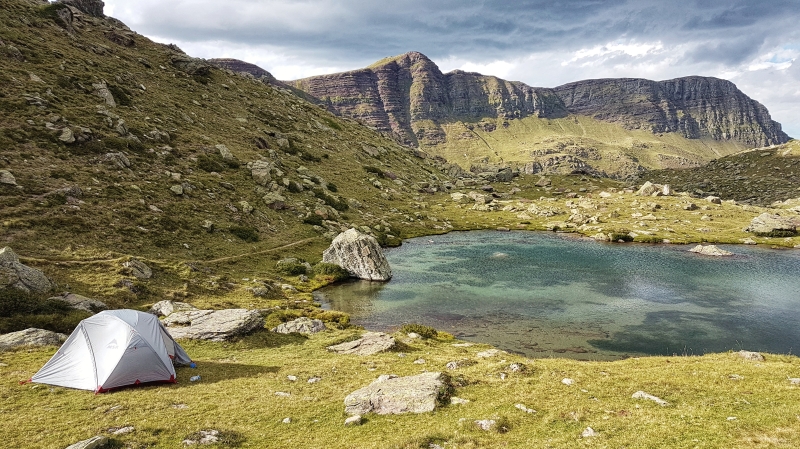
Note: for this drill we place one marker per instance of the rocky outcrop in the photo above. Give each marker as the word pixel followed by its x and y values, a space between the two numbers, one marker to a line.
pixel 92 443
pixel 359 254
pixel 6 177
pixel 409 96
pixel 302 325
pixel 166 308
pixel 31 337
pixel 693 106
pixel 79 302
pixel 92 7
pixel 650 189
pixel 14 274
pixel 392 395
pixel 214 325
pixel 774 225
pixel 369 344
pixel 138 269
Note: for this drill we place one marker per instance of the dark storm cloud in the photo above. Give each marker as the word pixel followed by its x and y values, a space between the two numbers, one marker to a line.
pixel 484 30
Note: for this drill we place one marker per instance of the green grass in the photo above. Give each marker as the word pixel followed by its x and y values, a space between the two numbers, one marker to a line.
pixel 236 395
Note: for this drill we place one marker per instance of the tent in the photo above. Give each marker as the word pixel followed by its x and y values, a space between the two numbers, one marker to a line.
pixel 112 349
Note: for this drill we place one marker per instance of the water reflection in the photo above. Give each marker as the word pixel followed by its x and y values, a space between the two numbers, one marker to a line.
pixel 542 294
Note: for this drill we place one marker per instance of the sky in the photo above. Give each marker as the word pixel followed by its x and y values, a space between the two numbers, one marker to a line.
pixel 543 43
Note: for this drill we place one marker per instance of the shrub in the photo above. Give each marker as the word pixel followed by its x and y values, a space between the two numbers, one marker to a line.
pixel 421 329
pixel 121 95
pixel 623 235
pixel 777 233
pixel 293 268
pixel 313 219
pixel 209 163
pixel 331 270
pixel 245 233
pixel 332 187
pixel 331 201
pixel 20 310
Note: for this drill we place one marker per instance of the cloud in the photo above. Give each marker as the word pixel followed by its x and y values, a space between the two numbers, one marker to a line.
pixel 539 42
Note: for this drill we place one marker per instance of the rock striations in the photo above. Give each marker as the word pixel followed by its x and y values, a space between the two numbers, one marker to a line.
pixel 410 97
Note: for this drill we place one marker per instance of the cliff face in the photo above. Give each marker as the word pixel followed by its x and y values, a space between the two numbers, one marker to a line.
pixel 693 106
pixel 410 97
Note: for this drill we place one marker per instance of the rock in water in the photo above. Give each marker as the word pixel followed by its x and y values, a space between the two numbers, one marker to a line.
pixel 31 337
pixel 214 325
pixel 359 254
pixel 370 343
pixel 768 224
pixel 303 325
pixel 16 275
pixel 710 250
pixel 392 395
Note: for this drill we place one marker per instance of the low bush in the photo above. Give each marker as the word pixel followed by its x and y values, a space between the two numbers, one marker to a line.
pixel 331 270
pixel 313 219
pixel 374 170
pixel 20 310
pixel 245 233
pixel 294 268
pixel 623 235
pixel 420 329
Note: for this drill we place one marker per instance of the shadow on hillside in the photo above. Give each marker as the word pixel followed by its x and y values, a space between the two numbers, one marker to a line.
pixel 215 371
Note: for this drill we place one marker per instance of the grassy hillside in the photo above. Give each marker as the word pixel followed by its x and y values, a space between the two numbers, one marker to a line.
pixel 607 147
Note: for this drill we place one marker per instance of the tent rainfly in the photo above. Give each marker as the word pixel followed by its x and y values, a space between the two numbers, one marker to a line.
pixel 113 349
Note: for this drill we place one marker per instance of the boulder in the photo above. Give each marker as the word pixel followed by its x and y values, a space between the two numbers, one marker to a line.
pixel 714 199
pixel 224 152
pixel 81 302
pixel 274 201
pixel 649 397
pixel 214 325
pixel 710 250
pixel 7 178
pixel 166 308
pixel 302 325
pixel 191 66
pixel 138 269
pixel 16 275
pixel 92 443
pixel 392 395
pixel 461 198
pixel 359 254
pixel 766 224
pixel 102 91
pixel 649 189
pixel 370 343
pixel 749 355
pixel 31 337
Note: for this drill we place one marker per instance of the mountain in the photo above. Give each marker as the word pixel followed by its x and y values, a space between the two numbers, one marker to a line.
pixel 409 97
pixel 242 67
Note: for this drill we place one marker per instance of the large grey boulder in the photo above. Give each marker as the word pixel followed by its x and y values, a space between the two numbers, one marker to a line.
pixel 392 395
pixel 7 178
pixel 650 189
pixel 81 302
pixel 769 223
pixel 214 325
pixel 167 307
pixel 359 254
pixel 302 325
pixel 14 274
pixel 370 343
pixel 31 337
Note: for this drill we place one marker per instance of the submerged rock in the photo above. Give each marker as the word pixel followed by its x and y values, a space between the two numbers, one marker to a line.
pixel 710 250
pixel 391 395
pixel 359 254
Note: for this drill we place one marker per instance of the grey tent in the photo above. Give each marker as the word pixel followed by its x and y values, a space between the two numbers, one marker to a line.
pixel 112 349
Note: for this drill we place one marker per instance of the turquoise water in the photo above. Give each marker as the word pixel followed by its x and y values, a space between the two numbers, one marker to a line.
pixel 545 294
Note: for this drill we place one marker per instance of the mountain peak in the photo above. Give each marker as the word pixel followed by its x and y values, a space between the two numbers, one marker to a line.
pixel 412 56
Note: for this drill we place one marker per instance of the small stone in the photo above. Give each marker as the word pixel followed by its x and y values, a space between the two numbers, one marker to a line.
pixel 314 380
pixel 748 355
pixel 282 394
pixel 486 424
pixel 7 178
pixel 589 433
pixel 463 345
pixel 123 430
pixel 287 420
pixel 488 353
pixel 523 408
pixel 292 378
pixel 354 420
pixel 735 377
pixel 731 418
pixel 180 406
pixel 458 401
pixel 419 362
pixel 517 368
pixel 177 189
pixel 650 397
pixel 794 380
pixel 567 381
pixel 413 335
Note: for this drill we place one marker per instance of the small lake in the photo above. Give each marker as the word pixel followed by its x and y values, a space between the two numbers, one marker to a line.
pixel 554 295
